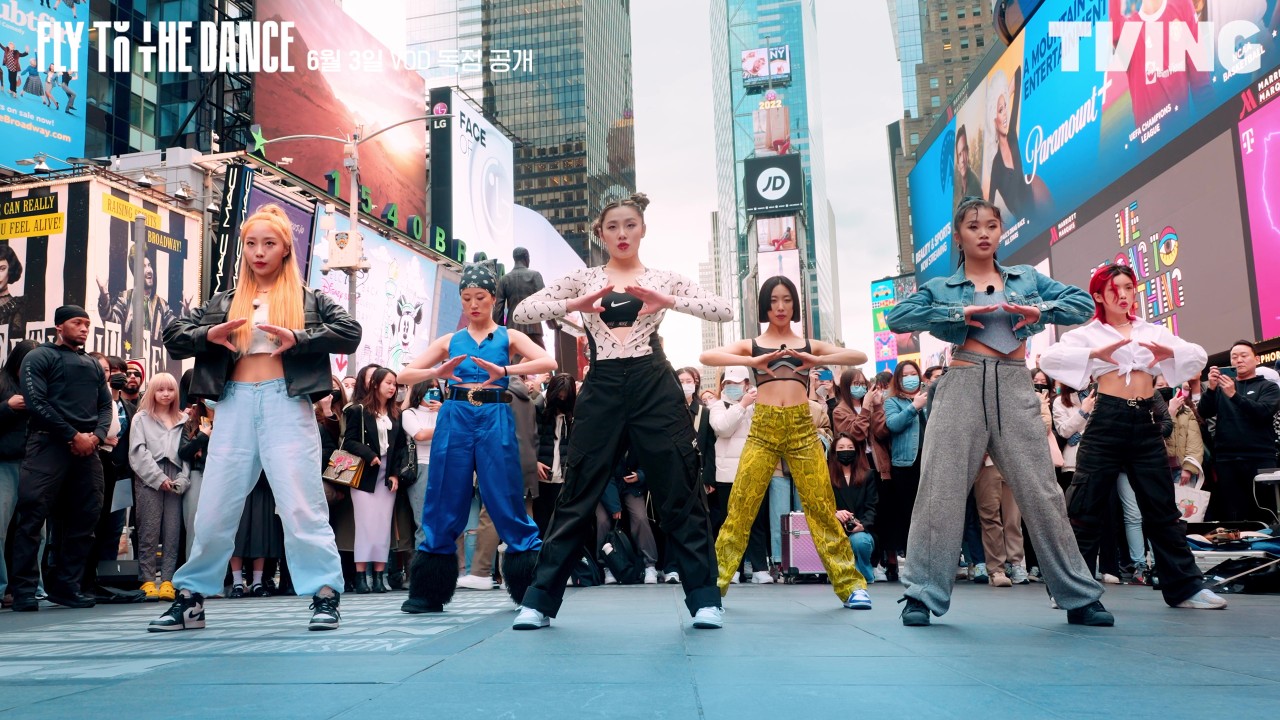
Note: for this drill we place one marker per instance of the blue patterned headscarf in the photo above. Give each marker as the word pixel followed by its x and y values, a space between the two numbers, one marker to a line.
pixel 478 276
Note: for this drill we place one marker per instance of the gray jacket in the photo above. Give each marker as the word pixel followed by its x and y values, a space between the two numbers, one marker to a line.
pixel 150 443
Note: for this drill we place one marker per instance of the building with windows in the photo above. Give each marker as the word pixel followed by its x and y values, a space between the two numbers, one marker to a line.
pixel 567 102
pixel 444 40
pixel 765 104
pixel 939 44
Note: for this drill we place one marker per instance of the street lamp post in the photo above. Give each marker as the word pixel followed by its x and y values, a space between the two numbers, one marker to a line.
pixel 346 250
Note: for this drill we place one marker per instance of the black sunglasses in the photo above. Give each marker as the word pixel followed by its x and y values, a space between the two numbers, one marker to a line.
pixel 133 373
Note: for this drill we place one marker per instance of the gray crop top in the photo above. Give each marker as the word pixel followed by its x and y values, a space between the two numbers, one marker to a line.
pixel 997 326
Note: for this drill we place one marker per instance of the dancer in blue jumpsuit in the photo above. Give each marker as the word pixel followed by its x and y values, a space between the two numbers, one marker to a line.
pixel 475 436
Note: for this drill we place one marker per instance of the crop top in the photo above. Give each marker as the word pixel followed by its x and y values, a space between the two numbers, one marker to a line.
pixel 1068 361
pixel 261 342
pixel 787 368
pixel 997 325
pixel 620 309
pixel 549 304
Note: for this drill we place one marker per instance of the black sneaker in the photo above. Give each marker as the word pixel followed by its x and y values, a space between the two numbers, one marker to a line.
pixel 1092 614
pixel 237 591
pixel 72 600
pixel 259 590
pixel 915 614
pixel 27 603
pixel 186 613
pixel 326 613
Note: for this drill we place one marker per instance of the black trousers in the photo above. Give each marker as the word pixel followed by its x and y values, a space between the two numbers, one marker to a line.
pixel 758 540
pixel 636 403
pixel 1235 497
pixel 67 491
pixel 1125 436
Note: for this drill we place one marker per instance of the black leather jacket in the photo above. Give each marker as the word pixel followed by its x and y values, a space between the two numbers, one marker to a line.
pixel 328 329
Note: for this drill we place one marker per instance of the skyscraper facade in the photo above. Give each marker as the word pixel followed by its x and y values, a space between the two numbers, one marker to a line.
pixel 567 101
pixel 939 45
pixel 766 103
pixel 444 41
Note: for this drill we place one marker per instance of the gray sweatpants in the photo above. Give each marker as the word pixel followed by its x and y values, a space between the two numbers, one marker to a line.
pixel 989 407
pixel 159 518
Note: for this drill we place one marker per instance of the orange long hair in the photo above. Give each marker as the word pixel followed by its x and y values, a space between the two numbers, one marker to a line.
pixel 285 298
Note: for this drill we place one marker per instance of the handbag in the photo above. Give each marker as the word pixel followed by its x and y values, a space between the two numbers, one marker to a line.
pixel 409 473
pixel 1191 500
pixel 346 468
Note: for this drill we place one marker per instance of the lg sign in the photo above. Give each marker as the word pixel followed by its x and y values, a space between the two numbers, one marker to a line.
pixel 773 185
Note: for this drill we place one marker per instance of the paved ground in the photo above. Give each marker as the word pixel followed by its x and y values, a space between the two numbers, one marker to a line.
pixel 623 652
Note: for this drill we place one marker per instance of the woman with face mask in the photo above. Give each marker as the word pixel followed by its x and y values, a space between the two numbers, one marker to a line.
pixel 857 493
pixel 859 410
pixel 904 419
pixel 731 421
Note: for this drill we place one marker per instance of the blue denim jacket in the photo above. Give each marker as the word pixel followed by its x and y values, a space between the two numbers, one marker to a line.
pixel 938 306
pixel 903 421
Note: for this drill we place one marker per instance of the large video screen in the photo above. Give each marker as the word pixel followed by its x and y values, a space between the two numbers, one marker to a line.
pixel 1038 139
pixel 355 83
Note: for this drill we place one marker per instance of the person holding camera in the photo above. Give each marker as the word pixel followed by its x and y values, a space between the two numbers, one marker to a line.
pixel 1244 404
pixel 1123 353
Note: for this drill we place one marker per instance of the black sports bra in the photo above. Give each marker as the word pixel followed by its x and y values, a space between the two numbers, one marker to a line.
pixel 782 368
pixel 620 309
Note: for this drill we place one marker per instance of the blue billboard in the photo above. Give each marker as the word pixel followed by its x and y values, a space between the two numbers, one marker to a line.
pixel 42 106
pixel 1041 137
pixel 933 180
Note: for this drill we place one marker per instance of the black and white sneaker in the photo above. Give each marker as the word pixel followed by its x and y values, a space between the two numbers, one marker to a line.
pixel 326 613
pixel 186 613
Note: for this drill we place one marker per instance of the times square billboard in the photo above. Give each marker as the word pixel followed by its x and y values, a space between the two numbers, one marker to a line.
pixel 1171 172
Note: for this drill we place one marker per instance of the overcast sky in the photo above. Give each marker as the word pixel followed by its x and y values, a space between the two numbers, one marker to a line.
pixel 675 160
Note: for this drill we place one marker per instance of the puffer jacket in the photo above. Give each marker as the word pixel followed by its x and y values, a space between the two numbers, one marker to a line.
pixel 731 423
pixel 1185 445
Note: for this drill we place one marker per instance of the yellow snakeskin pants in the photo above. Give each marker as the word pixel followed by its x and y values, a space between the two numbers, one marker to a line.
pixel 786 432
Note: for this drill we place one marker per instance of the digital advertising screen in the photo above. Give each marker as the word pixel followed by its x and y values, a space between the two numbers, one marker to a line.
pixel 42 106
pixel 1043 131
pixel 355 83
pixel 766 67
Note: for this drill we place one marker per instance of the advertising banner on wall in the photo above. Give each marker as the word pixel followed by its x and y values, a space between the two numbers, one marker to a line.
pixel 354 82
pixel 1041 137
pixel 1260 161
pixel 394 297
pixel 766 67
pixel 473 171
pixel 773 185
pixel 891 347
pixel 71 242
pixel 787 264
pixel 42 106
pixel 1190 264
pixel 771 126
pixel 931 207
pixel 299 219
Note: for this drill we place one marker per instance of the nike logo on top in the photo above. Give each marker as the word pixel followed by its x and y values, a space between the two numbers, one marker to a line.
pixel 618 304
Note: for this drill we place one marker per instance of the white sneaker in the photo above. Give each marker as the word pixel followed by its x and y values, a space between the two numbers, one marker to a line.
pixel 859 600
pixel 962 572
pixel 761 577
pixel 708 618
pixel 1053 603
pixel 1204 600
pixel 1109 579
pixel 609 579
pixel 1018 575
pixel 734 579
pixel 475 582
pixel 530 619
pixel 879 573
pixel 650 576
pixel 673 578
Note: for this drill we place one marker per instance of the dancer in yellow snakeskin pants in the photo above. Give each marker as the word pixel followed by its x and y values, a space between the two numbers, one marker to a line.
pixel 782 428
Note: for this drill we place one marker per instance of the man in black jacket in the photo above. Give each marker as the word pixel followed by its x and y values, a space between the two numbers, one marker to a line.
pixel 513 288
pixel 61 476
pixel 1245 406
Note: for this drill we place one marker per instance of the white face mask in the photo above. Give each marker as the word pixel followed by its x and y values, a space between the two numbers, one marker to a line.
pixel 688 389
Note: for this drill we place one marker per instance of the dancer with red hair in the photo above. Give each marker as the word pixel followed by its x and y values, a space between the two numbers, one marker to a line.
pixel 1124 354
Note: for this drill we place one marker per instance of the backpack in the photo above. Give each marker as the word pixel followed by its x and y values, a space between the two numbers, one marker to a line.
pixel 621 558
